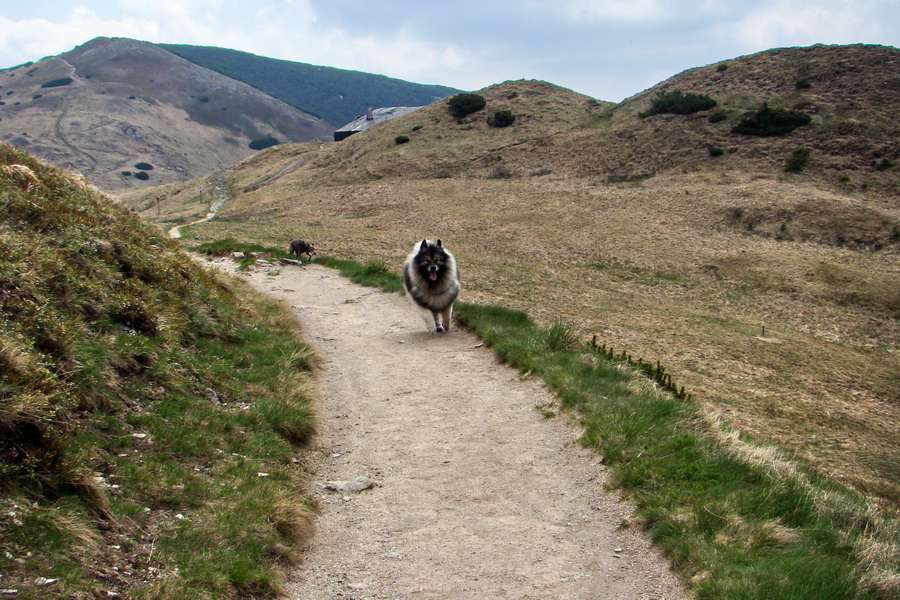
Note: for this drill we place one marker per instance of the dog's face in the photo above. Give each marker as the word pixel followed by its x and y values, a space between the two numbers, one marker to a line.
pixel 431 260
pixel 311 249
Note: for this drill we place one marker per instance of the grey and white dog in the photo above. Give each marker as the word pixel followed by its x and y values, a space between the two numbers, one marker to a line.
pixel 431 279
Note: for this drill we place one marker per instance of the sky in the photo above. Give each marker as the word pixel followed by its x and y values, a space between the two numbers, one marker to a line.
pixel 606 49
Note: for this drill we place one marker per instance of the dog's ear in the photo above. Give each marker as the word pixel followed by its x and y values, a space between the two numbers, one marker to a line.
pixel 424 245
pixel 438 243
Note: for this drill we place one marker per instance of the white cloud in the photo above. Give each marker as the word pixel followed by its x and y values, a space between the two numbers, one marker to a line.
pixel 33 39
pixel 802 24
pixel 618 10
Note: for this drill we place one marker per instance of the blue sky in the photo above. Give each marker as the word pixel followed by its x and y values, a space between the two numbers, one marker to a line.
pixel 607 49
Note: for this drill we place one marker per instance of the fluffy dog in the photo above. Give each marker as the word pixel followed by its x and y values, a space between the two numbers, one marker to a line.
pixel 299 247
pixel 431 279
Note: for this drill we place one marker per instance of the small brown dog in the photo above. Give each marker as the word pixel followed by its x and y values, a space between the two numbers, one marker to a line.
pixel 299 247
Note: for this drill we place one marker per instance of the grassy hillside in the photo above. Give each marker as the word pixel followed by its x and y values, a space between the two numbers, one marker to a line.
pixel 336 95
pixel 149 412
pixel 771 295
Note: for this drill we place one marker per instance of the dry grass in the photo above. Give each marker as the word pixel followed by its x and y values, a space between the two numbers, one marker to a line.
pixel 652 270
pixel 663 266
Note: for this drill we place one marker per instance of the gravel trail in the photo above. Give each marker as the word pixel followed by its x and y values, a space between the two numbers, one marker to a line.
pixel 475 495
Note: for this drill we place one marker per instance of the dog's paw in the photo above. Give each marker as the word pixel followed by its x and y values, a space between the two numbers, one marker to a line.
pixel 438 329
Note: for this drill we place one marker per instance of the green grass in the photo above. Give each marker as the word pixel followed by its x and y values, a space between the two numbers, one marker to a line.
pixel 150 413
pixel 739 520
pixel 373 273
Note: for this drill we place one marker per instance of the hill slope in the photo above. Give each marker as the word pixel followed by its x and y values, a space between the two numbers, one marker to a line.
pixel 112 103
pixel 336 95
pixel 853 101
pixel 631 229
pixel 132 423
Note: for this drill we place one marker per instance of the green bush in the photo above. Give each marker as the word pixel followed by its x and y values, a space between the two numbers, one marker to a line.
pixel 58 82
pixel 803 84
pixel 797 160
pixel 143 166
pixel 718 116
pixel 401 139
pixel 462 105
pixel 142 175
pixel 772 121
pixel 679 103
pixel 501 118
pixel 263 142
pixel 126 173
pixel 714 151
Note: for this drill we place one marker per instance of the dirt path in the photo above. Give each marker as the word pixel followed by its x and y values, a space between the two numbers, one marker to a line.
pixel 220 194
pixel 478 495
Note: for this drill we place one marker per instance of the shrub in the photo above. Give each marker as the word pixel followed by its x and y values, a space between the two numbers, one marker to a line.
pixel 883 164
pixel 803 84
pixel 679 103
pixel 417 127
pixel 58 82
pixel 142 175
pixel 501 118
pixel 263 142
pixel 718 116
pixel 126 173
pixel 462 105
pixel 722 68
pixel 772 121
pixel 143 166
pixel 797 160
pixel 714 151
pixel 401 139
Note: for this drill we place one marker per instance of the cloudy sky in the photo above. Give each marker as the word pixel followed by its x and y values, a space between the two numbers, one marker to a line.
pixel 607 49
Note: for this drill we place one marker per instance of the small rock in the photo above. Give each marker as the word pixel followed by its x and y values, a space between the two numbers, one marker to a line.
pixel 354 486
pixel 45 581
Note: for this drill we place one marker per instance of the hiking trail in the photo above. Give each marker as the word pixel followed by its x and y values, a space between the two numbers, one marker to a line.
pixel 218 188
pixel 476 494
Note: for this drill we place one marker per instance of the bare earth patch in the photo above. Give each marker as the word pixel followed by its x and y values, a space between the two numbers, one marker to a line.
pixel 476 494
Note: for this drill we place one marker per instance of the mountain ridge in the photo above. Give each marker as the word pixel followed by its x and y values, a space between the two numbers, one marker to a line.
pixel 356 91
pixel 115 103
pixel 111 104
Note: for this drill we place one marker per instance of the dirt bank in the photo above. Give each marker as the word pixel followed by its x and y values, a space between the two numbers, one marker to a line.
pixel 476 494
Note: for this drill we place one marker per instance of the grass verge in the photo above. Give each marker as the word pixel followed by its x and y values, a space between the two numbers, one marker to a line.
pixel 738 519
pixel 149 412
pixel 374 273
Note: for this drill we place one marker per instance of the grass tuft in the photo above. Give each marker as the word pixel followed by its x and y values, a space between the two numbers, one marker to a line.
pixel 373 273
